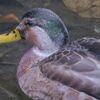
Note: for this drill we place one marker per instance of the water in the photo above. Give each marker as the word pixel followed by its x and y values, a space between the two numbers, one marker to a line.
pixel 10 54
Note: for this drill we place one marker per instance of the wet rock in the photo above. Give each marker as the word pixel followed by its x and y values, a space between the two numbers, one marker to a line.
pixel 85 8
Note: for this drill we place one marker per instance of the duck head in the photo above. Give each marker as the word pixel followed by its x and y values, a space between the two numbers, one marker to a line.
pixel 41 27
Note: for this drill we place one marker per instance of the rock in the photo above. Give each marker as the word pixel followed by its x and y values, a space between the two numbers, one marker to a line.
pixel 85 8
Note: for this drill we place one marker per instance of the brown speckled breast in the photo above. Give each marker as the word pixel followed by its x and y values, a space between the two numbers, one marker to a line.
pixel 37 86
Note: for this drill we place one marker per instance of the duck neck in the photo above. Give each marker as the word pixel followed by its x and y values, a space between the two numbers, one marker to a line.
pixel 43 43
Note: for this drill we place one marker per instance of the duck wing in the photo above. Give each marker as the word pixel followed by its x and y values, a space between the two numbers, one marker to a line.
pixel 78 70
pixel 92 44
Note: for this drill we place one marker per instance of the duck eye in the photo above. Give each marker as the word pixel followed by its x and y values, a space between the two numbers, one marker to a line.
pixel 30 23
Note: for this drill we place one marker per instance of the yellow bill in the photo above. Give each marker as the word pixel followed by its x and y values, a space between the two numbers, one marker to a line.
pixel 10 37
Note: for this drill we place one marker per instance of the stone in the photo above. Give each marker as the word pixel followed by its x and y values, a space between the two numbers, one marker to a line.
pixel 85 8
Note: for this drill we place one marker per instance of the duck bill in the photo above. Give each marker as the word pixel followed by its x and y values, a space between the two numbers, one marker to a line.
pixel 10 37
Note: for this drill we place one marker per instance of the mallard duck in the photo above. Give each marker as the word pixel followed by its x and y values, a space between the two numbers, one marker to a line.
pixel 51 69
pixel 92 44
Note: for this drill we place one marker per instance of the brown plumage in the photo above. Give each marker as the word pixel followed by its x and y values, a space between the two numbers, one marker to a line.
pixel 50 70
pixel 47 72
pixel 77 69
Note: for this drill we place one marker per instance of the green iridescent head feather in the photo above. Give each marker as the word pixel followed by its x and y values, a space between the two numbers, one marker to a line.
pixel 52 24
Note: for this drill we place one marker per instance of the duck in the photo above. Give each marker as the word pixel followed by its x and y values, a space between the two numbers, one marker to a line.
pixel 92 44
pixel 52 69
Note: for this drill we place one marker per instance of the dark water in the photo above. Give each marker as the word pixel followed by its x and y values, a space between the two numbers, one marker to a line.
pixel 10 54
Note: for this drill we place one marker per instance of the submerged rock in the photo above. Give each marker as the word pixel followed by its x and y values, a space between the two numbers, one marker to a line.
pixel 85 8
